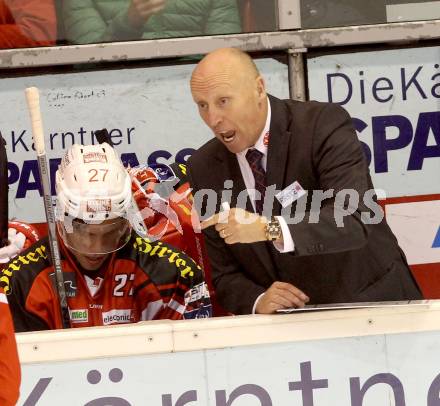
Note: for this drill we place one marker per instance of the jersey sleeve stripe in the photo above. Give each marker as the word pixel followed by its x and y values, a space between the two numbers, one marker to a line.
pixel 151 310
pixel 143 285
pixel 173 304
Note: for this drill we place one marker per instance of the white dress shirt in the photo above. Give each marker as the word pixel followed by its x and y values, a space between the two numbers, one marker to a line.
pixel 288 245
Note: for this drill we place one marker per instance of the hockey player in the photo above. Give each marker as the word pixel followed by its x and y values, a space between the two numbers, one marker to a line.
pixel 9 366
pixel 19 235
pixel 111 275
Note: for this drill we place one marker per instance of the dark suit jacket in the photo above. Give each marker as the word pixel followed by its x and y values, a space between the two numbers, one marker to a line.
pixel 315 144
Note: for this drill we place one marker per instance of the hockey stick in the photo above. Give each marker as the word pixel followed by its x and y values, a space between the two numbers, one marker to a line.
pixel 4 213
pixel 33 101
pixel 103 136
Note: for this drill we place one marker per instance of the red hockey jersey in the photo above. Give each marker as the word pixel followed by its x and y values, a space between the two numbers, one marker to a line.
pixel 144 280
pixel 9 365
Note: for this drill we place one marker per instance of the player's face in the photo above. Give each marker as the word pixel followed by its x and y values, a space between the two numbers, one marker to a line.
pixel 90 262
pixel 233 107
pixel 91 244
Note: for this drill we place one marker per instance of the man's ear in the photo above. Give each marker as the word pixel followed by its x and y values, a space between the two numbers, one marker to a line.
pixel 261 87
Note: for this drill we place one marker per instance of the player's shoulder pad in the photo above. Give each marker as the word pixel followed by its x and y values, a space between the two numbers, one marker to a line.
pixel 162 261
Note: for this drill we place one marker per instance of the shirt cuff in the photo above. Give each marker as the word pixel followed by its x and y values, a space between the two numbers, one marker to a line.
pixel 287 245
pixel 256 302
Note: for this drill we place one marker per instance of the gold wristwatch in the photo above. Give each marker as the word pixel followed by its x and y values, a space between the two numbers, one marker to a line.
pixel 273 229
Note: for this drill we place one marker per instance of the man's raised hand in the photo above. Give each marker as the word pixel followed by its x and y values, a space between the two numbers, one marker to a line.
pixel 238 226
pixel 140 11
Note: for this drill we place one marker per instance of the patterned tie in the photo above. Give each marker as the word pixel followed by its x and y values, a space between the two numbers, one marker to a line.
pixel 254 156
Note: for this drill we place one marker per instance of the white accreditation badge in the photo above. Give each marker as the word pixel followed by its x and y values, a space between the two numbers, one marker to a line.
pixel 290 194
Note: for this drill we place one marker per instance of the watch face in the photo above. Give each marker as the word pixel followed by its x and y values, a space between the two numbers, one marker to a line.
pixel 273 229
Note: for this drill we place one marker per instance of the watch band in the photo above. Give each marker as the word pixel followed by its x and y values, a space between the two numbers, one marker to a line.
pixel 273 229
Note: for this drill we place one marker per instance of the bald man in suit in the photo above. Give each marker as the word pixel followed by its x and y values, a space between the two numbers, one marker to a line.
pixel 263 257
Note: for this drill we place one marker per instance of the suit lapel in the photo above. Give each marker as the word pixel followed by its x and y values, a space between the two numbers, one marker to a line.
pixel 277 156
pixel 278 149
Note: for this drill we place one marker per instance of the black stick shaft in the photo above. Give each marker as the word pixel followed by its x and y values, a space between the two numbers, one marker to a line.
pixel 54 248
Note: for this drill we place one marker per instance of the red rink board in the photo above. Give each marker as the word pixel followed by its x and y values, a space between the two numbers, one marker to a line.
pixel 426 274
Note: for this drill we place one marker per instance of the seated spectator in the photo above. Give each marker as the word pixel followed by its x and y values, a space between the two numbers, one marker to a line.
pixel 111 275
pixel 27 23
pixel 258 15
pixel 94 21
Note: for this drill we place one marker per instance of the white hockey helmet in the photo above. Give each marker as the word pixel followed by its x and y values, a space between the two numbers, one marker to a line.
pixel 93 190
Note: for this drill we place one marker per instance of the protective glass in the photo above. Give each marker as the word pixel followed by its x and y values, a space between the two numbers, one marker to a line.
pixel 94 238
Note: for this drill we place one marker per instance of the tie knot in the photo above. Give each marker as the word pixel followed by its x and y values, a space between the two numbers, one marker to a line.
pixel 254 156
